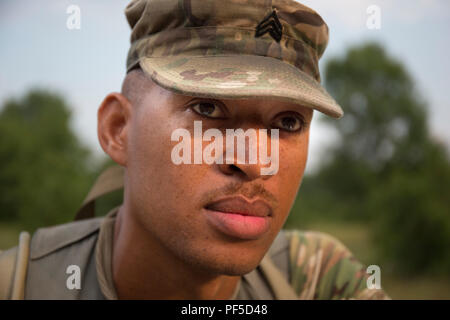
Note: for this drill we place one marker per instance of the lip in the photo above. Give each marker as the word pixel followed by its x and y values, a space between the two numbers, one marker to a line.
pixel 239 218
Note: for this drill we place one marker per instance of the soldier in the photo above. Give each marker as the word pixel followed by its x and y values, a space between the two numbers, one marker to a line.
pixel 201 230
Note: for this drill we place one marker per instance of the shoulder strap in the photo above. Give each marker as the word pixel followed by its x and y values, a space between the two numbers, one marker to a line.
pixel 109 180
pixel 13 266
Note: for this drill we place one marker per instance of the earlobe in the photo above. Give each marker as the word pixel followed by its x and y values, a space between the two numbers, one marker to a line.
pixel 113 119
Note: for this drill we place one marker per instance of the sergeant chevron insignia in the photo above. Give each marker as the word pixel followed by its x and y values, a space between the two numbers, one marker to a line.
pixel 270 24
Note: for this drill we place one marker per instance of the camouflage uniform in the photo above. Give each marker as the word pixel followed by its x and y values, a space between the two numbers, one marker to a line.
pixel 323 268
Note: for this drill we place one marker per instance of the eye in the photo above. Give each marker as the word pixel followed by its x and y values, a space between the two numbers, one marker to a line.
pixel 289 122
pixel 208 109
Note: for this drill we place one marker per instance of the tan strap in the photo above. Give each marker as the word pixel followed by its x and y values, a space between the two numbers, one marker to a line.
pixel 18 289
pixel 280 286
pixel 109 180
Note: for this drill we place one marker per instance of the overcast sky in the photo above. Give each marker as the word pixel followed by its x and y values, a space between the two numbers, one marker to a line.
pixel 38 50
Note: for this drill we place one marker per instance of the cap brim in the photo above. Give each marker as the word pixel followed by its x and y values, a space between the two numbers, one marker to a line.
pixel 239 77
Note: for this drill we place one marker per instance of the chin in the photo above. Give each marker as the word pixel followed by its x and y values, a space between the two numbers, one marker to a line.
pixel 238 270
pixel 228 263
pixel 229 269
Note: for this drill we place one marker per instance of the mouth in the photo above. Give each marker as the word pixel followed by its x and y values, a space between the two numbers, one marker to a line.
pixel 239 218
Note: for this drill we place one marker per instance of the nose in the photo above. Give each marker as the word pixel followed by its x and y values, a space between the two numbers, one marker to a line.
pixel 245 171
pixel 251 161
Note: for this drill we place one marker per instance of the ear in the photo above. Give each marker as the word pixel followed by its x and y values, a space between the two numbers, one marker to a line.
pixel 113 121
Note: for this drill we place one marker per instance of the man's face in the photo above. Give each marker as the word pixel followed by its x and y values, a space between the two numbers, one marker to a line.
pixel 176 205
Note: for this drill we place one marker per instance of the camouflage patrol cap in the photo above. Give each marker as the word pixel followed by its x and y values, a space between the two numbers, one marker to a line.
pixel 232 49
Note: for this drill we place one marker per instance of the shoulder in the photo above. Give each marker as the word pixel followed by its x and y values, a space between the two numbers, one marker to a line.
pixel 322 267
pixel 51 239
pixel 44 270
pixel 53 251
pixel 307 243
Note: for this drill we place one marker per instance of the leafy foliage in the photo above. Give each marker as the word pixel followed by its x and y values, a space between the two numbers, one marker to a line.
pixel 44 170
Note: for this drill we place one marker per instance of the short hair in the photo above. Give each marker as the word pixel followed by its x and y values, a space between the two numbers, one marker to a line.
pixel 134 84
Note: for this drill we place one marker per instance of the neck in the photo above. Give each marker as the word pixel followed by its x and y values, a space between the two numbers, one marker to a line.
pixel 144 269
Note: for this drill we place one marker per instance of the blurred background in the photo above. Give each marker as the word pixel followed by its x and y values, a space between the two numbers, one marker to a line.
pixel 378 179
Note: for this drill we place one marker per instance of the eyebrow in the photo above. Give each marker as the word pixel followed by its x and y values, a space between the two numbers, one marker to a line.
pixel 300 109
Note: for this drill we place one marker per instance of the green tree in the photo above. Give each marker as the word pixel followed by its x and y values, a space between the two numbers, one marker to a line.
pixel 44 169
pixel 410 210
pixel 385 123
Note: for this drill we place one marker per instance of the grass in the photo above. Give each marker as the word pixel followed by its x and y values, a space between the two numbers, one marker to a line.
pixel 355 237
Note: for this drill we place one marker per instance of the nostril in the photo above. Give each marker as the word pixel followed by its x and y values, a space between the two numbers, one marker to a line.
pixel 235 168
pixel 242 171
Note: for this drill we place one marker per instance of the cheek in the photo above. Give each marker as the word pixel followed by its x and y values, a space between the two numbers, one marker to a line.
pixel 158 186
pixel 147 142
pixel 293 157
pixel 149 157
